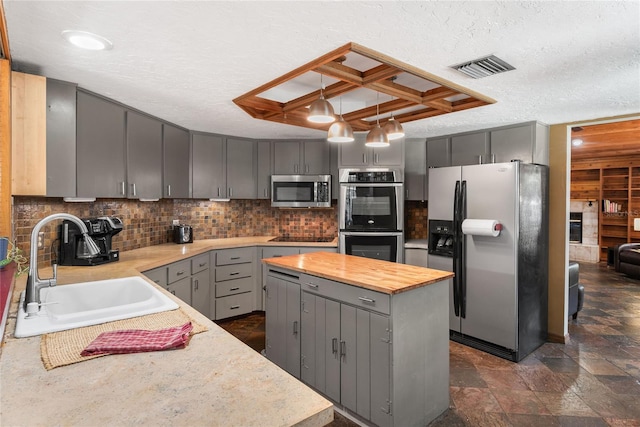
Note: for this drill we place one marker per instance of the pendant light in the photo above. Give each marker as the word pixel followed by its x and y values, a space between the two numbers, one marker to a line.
pixel 340 131
pixel 393 128
pixel 376 136
pixel 321 110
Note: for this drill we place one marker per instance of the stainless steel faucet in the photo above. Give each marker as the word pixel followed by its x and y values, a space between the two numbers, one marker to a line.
pixel 34 283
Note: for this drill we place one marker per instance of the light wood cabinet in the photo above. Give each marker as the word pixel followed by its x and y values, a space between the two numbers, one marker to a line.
pixel 43 116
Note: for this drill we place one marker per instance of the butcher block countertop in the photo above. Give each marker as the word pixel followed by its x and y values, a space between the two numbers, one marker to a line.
pixel 376 275
pixel 215 381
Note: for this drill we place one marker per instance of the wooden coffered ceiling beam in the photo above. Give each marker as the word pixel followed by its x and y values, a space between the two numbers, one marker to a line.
pixel 378 78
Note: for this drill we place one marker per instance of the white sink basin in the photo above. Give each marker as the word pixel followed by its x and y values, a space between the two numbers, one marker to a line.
pixel 90 303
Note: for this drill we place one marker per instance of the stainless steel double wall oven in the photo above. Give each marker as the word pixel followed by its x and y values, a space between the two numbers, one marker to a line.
pixel 371 213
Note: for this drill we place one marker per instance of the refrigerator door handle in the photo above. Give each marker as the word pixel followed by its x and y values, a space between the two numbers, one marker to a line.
pixel 462 290
pixel 456 254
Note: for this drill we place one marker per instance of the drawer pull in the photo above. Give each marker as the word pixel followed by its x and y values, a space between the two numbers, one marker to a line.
pixel 202 264
pixel 234 289
pixel 312 285
pixel 180 273
pixel 367 300
pixel 233 307
pixel 234 257
pixel 234 273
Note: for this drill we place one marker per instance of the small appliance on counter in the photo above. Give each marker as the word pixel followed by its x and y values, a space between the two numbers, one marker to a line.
pixel 182 234
pixel 101 230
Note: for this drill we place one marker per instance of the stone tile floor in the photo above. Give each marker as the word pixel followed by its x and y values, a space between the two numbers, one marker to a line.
pixel 592 380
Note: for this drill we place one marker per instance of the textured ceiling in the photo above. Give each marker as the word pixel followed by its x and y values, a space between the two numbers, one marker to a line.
pixel 186 61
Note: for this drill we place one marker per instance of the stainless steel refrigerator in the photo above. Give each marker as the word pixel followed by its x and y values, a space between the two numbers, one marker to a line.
pixel 498 301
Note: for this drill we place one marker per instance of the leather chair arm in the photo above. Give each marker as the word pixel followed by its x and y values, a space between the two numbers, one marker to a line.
pixel 625 246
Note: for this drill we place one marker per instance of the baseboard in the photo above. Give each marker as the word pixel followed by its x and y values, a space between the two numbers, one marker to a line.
pixel 560 339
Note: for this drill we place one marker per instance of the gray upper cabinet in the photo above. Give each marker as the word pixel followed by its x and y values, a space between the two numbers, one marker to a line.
pixel 470 149
pixel 310 157
pixel 356 154
pixel 100 147
pixel 144 157
pixel 438 152
pixel 415 169
pixel 241 168
pixel 528 142
pixel 208 166
pixel 61 138
pixel 175 171
pixel 264 170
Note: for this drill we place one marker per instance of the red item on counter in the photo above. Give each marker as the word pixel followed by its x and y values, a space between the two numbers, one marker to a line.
pixel 139 340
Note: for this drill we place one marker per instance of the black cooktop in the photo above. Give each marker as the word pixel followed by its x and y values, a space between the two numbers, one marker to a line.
pixel 303 239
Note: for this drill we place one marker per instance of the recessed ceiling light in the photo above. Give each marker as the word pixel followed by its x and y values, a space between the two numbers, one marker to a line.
pixel 86 40
pixel 576 142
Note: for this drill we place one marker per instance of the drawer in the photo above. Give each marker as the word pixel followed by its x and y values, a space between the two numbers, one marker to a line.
pixel 232 287
pixel 157 275
pixel 229 272
pixel 274 252
pixel 348 294
pixel 234 305
pixel 178 270
pixel 312 249
pixel 234 256
pixel 199 263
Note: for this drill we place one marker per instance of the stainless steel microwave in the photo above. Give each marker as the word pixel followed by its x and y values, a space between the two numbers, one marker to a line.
pixel 301 191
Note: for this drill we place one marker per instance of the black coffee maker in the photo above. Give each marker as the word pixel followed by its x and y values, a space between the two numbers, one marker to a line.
pixel 101 230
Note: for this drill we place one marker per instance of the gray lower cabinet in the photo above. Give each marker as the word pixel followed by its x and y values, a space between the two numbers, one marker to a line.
pixel 348 337
pixel 345 354
pixel 283 322
pixel 100 147
pixel 415 169
pixel 234 282
pixel 188 279
pixel 176 162
pixel 208 166
pixel 144 157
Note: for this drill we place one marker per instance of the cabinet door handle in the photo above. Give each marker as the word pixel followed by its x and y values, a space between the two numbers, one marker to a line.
pixel 234 307
pixel 364 158
pixel 334 345
pixel 218 191
pixel 343 348
pixel 367 300
pixel 122 188
pixel 180 273
pixel 312 285
pixel 133 189
pixel 168 189
pixel 376 159
pixel 265 192
pixel 295 328
pixel 234 289
pixel 195 284
pixel 306 168
pixel 407 194
pixel 230 192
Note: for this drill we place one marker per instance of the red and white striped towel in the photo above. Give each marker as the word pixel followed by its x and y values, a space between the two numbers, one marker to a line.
pixel 139 340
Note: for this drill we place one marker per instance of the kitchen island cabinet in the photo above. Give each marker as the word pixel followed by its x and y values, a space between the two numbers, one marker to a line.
pixel 216 380
pixel 372 336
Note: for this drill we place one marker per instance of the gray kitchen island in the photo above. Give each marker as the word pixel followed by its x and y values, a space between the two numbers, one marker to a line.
pixel 372 336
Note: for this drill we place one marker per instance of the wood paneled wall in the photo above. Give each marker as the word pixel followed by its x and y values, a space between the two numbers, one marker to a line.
pixel 5 148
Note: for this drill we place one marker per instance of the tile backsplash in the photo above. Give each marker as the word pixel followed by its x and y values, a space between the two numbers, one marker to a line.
pixel 149 223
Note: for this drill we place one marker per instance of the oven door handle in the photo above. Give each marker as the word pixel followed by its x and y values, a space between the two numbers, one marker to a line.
pixel 371 233
pixel 371 184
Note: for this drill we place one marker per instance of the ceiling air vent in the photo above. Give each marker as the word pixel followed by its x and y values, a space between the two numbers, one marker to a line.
pixel 483 67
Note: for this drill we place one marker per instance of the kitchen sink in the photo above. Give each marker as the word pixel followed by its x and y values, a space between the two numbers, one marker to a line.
pixel 91 303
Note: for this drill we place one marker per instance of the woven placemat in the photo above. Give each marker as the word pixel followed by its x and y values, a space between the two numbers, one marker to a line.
pixel 64 347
